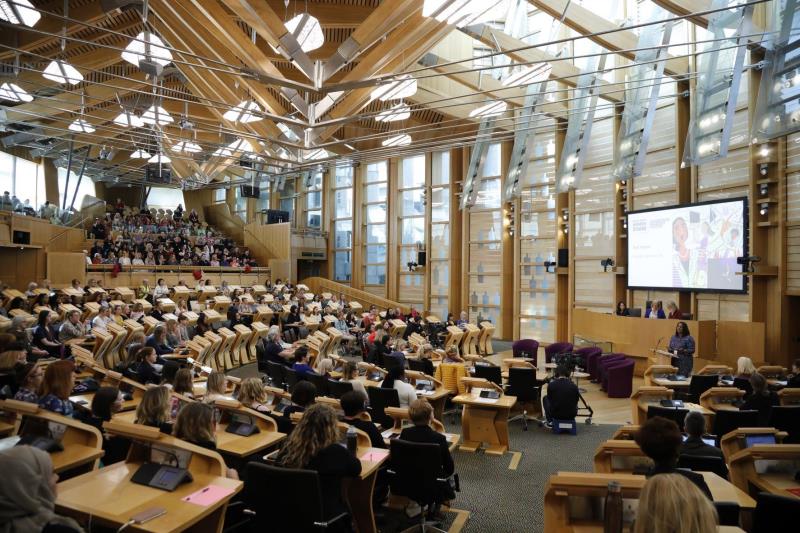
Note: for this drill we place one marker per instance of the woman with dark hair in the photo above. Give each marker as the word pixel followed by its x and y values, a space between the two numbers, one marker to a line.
pixel 394 380
pixel 43 336
pixel 762 399
pixel 685 271
pixel 292 323
pixel 202 326
pixel 622 309
pixel 682 346
pixel 107 401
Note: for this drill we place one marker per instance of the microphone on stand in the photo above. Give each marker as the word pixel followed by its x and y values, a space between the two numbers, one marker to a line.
pixel 655 350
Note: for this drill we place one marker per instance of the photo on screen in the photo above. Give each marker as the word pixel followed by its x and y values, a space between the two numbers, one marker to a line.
pixel 690 247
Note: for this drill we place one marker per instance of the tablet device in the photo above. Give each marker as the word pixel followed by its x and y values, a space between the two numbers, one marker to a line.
pixel 491 394
pixel 752 440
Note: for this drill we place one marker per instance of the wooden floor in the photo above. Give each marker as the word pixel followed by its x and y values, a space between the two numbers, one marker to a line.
pixel 606 410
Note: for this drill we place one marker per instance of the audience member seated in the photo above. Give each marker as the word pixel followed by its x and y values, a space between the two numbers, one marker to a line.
pixel 11 356
pixel 353 404
pixel 350 375
pixel 301 362
pixel 674 312
pixel 762 399
pixel 421 413
pixel 59 379
pixel 395 380
pixel 695 426
pixel 43 336
pixel 314 445
pixel 158 341
pixel 655 310
pixel 216 388
pixel 793 380
pixel 253 396
pixel 451 355
pixel 745 367
pixel 28 493
pixel 29 377
pixel 660 439
pixel 154 409
pixel 275 352
pixel 622 309
pixel 107 401
pixel 670 503
pixel 147 370
pixel 71 328
pixel 304 394
pixel 196 424
pixel 561 401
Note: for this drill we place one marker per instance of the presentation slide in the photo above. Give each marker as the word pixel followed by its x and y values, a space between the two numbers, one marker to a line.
pixel 688 247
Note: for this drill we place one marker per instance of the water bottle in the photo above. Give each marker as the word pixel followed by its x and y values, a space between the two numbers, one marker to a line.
pixel 352 440
pixel 612 517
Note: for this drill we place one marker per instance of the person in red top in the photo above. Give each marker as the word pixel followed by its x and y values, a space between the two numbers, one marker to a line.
pixel 674 312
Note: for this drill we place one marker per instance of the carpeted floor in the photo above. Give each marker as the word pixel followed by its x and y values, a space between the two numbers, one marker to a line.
pixel 503 500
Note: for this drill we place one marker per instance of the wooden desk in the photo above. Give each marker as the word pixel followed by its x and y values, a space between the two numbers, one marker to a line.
pixel 83 444
pixel 237 445
pixel 620 456
pixel 657 372
pixel 644 397
pixel 744 474
pixel 734 442
pixel 485 420
pixel 719 398
pixel 671 384
pixel 358 492
pixel 635 337
pixel 789 396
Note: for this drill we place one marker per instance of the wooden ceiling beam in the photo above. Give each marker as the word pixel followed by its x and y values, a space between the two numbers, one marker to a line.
pixel 563 70
pixel 329 14
pixel 586 22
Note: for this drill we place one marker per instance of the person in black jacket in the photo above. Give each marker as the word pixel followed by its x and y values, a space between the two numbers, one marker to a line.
pixel 695 426
pixel 158 341
pixel 660 440
pixel 314 445
pixel 146 371
pixel 761 400
pixel 421 413
pixel 195 424
pixel 561 402
pixel 794 378
pixel 353 404
pixel 106 402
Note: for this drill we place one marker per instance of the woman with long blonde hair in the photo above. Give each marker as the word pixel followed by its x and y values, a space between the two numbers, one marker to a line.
pixel 253 395
pixel 670 503
pixel 314 445
pixel 216 387
pixel 154 409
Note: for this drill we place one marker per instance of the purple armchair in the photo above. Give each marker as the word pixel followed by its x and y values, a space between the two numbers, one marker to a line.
pixel 528 346
pixel 619 379
pixel 588 353
pixel 603 363
pixel 555 349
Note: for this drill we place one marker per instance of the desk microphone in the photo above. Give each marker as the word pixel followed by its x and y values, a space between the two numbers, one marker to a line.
pixel 655 350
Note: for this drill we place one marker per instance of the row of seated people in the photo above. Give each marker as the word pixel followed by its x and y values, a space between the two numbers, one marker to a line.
pixel 194 421
pixel 126 238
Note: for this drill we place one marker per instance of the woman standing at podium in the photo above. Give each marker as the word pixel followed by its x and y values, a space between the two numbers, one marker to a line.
pixel 681 345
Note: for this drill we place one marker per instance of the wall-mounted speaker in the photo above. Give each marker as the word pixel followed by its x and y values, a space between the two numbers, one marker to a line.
pixel 21 237
pixel 563 257
pixel 422 256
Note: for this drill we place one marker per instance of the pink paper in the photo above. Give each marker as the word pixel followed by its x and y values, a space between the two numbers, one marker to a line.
pixel 208 496
pixel 375 456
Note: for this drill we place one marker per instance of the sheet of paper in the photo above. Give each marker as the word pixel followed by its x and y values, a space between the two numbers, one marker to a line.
pixel 208 495
pixel 375 456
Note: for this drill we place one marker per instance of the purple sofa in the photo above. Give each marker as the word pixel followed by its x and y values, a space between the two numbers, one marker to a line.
pixel 588 353
pixel 602 366
pixel 619 379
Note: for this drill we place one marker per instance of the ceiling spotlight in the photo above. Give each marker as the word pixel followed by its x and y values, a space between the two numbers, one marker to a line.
pixel 397 112
pixel 62 72
pixel 157 115
pixel 247 111
pixel 147 48
pixel 19 12
pixel 160 159
pixel 140 154
pixel 307 31
pixel 397 140
pixel 14 93
pixel 126 119
pixel 529 75
pixel 81 126
pixel 187 147
pixel 403 87
pixel 489 110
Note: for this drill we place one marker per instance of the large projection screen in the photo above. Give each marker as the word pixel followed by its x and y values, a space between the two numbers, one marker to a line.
pixel 690 247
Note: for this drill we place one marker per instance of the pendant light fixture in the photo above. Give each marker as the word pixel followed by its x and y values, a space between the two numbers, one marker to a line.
pixel 147 51
pixel 140 154
pixel 187 147
pixel 160 159
pixel 59 70
pixel 19 12
pixel 11 91
pixel 128 119
pixel 80 125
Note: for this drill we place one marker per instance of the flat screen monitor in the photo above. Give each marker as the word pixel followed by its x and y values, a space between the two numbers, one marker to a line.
pixel 691 247
pixel 752 440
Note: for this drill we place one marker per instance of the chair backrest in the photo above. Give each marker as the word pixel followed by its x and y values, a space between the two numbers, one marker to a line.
pixel 414 470
pixel 379 400
pixel 277 373
pixel 555 349
pixel 291 377
pixel 525 348
pixel 728 513
pixel 676 415
pixel 338 388
pixel 727 420
pixel 284 499
pixel 699 384
pixel 523 384
pixel 743 384
pixel 490 372
pixel 786 418
pixel 635 311
pixel 704 463
pixel 688 316
pixel 416 364
pixel 320 382
pixel 774 513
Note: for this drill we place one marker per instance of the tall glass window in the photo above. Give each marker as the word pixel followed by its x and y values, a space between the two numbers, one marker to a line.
pixel 343 223
pixel 24 179
pixel 411 213
pixel 375 226
pixel 86 187
pixel 313 192
pixel 287 196
pixel 439 248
